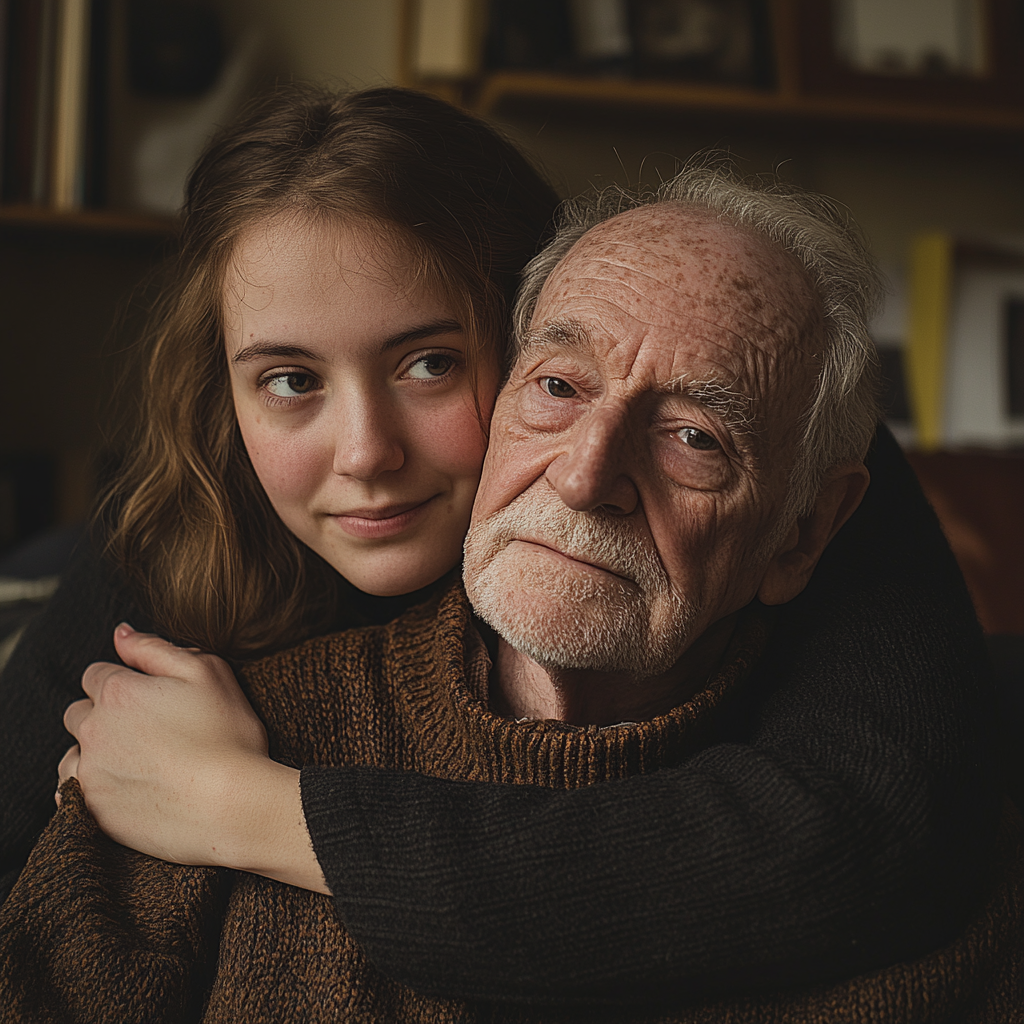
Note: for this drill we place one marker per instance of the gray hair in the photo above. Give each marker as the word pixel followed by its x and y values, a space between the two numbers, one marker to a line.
pixel 843 412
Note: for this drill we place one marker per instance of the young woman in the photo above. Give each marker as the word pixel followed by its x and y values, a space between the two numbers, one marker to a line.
pixel 314 401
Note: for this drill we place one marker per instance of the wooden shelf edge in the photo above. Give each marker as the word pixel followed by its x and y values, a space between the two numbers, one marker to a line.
pixel 503 86
pixel 109 222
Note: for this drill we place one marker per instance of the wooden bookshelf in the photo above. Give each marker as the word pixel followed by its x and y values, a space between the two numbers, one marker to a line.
pixel 95 222
pixel 923 106
pixel 501 87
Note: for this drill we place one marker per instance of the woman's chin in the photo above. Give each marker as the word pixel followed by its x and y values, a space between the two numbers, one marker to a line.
pixel 380 582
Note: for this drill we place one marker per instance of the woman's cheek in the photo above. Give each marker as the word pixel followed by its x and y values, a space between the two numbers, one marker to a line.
pixel 287 465
pixel 454 441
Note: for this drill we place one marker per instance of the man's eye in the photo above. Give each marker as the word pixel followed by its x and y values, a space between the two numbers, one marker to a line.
pixel 429 367
pixel 291 385
pixel 697 439
pixel 557 388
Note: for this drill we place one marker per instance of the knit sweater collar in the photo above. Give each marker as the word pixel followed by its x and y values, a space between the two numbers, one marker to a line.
pixel 446 709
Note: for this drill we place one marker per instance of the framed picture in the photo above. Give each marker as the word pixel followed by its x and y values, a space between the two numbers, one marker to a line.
pixel 984 404
pixel 723 41
pixel 947 52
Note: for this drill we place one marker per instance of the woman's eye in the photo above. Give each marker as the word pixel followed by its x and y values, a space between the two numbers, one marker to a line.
pixel 430 367
pixel 291 385
pixel 697 439
pixel 557 388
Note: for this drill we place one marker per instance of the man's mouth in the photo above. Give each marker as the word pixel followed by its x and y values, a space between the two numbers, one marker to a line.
pixel 573 556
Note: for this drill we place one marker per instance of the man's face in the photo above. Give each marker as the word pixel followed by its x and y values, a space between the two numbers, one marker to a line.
pixel 640 452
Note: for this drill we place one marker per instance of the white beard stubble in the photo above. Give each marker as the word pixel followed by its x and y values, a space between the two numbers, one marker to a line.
pixel 564 619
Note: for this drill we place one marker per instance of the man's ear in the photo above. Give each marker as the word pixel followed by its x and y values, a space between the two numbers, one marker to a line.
pixel 791 567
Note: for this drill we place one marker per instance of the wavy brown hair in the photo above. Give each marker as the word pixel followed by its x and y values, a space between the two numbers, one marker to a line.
pixel 185 516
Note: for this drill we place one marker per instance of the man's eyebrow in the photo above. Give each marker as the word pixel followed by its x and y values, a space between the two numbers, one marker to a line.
pixel 282 350
pixel 557 334
pixel 733 407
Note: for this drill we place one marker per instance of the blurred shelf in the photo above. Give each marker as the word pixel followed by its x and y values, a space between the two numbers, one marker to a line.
pixel 502 87
pixel 95 222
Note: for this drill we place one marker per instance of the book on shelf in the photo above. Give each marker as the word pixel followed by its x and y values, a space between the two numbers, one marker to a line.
pixel 4 11
pixel 39 191
pixel 52 118
pixel 71 76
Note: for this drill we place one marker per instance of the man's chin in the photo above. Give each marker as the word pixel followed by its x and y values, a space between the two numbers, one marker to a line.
pixel 569 623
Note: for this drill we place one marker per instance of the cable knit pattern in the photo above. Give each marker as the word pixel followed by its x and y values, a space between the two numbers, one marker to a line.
pixel 93 932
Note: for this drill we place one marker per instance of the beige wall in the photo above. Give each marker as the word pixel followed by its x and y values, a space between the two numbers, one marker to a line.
pixel 895 187
pixel 345 42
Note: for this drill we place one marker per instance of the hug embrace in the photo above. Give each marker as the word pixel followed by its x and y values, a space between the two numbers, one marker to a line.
pixel 528 619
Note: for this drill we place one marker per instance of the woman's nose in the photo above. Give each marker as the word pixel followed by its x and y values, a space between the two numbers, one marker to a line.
pixel 367 440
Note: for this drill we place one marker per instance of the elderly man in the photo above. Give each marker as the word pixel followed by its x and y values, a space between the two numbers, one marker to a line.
pixel 683 433
pixel 646 466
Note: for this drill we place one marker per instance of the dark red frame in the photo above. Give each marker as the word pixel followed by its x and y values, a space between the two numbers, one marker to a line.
pixel 823 73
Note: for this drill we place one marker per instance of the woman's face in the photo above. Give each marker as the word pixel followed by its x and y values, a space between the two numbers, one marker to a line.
pixel 353 398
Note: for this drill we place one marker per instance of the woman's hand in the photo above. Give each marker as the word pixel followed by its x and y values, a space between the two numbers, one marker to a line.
pixel 173 762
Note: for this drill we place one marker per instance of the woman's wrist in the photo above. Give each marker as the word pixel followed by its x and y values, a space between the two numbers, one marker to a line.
pixel 268 834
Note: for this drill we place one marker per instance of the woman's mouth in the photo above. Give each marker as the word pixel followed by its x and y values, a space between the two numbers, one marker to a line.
pixel 381 522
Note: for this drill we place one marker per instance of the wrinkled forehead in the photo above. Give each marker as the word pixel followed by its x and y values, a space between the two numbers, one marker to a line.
pixel 690 253
pixel 674 258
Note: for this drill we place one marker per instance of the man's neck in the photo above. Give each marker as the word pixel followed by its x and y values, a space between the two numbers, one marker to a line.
pixel 520 688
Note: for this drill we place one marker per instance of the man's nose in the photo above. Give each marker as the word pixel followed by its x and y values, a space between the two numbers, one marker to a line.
pixel 367 438
pixel 595 470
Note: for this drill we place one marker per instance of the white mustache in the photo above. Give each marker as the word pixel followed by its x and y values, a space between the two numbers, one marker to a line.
pixel 538 515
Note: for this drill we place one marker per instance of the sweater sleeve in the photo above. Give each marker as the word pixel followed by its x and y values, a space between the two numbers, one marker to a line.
pixel 42 677
pixel 847 824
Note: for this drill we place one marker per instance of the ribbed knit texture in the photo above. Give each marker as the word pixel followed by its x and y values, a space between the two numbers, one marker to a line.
pixel 95 933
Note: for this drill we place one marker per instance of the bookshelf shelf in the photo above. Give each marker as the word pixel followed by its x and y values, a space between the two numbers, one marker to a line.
pixel 811 89
pixel 95 222
pixel 501 87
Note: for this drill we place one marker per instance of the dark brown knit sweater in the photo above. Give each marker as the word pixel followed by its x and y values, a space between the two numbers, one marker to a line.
pixel 93 932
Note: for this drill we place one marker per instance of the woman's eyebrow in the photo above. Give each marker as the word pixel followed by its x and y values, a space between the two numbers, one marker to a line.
pixel 270 348
pixel 283 350
pixel 427 330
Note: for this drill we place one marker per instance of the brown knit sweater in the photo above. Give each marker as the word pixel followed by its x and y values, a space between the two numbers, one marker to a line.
pixel 94 932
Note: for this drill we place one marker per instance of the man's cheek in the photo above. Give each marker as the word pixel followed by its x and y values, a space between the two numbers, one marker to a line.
pixel 510 469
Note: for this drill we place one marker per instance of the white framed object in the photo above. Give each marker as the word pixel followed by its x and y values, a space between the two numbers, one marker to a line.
pixel 911 37
pixel 977 388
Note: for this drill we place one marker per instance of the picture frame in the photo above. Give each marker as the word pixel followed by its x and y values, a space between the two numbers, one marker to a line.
pixel 726 42
pixel 997 80
pixel 982 401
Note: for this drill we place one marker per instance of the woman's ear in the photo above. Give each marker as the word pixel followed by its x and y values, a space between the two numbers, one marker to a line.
pixel 790 569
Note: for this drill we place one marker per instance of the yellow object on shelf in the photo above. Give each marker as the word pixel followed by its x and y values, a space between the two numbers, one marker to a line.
pixel 931 282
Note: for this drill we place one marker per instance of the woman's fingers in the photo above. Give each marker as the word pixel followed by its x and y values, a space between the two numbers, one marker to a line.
pixel 98 674
pixel 74 715
pixel 68 767
pixel 151 654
